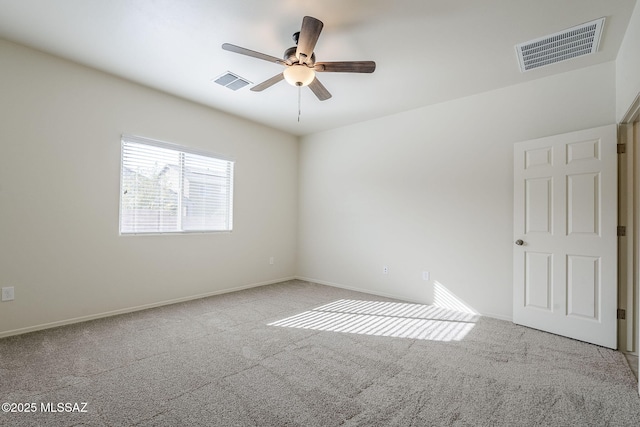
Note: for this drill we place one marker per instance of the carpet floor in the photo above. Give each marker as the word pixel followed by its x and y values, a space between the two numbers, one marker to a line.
pixel 302 354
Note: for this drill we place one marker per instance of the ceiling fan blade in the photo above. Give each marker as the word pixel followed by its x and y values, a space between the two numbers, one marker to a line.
pixel 252 53
pixel 268 83
pixel 318 88
pixel 309 33
pixel 346 67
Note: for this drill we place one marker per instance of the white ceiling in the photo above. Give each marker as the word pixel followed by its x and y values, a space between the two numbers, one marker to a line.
pixel 427 51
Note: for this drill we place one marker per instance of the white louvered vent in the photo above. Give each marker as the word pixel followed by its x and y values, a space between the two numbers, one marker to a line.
pixel 570 43
pixel 231 81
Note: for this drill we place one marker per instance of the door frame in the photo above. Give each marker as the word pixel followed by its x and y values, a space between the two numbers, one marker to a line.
pixel 629 216
pixel 627 265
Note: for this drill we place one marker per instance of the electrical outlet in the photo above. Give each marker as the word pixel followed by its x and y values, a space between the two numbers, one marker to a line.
pixel 385 270
pixel 8 294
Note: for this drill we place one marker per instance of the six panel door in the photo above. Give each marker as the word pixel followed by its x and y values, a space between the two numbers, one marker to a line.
pixel 565 235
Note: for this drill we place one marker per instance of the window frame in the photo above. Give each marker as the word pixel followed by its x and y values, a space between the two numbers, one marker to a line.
pixel 181 151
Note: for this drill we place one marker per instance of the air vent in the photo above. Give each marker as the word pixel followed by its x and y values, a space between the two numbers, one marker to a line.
pixel 232 81
pixel 570 43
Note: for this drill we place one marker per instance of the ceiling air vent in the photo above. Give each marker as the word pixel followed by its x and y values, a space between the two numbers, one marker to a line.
pixel 232 81
pixel 570 43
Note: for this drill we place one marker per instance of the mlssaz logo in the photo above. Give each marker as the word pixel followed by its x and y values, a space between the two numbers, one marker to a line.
pixel 63 407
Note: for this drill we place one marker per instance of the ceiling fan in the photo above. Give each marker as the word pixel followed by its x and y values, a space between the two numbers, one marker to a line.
pixel 300 61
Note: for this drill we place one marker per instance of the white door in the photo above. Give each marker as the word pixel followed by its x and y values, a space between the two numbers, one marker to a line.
pixel 565 235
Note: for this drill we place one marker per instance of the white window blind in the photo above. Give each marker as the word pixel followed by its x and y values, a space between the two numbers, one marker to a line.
pixel 171 189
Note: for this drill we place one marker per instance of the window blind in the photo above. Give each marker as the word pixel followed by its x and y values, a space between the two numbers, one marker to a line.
pixel 171 189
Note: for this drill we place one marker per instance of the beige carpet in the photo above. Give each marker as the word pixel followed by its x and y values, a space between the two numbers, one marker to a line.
pixel 301 354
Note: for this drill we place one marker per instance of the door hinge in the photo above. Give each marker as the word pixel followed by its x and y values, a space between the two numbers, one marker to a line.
pixel 622 148
pixel 622 231
pixel 622 314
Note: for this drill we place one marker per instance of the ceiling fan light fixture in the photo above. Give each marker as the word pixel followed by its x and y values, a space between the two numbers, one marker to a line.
pixel 299 75
pixel 300 64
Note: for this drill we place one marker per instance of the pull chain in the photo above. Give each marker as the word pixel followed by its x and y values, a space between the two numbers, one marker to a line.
pixel 299 92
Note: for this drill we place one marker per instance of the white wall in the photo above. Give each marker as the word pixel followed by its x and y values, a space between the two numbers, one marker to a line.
pixel 628 66
pixel 431 189
pixel 59 194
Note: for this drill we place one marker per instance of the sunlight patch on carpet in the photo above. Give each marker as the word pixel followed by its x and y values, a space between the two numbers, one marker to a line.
pixel 387 319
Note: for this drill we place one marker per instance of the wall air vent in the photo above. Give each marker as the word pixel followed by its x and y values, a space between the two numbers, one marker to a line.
pixel 232 81
pixel 570 43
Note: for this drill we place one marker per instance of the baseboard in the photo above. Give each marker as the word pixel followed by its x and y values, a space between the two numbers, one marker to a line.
pixel 498 316
pixel 389 295
pixel 357 289
pixel 80 319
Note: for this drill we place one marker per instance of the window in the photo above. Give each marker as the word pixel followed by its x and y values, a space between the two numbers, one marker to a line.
pixel 165 188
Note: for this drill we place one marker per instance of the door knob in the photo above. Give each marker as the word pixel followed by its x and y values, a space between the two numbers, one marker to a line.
pixel 519 242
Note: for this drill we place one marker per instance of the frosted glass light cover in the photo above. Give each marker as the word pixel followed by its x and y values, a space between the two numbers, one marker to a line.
pixel 299 75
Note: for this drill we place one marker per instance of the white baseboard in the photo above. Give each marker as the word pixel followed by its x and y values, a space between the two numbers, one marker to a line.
pixel 388 295
pixel 136 308
pixel 356 289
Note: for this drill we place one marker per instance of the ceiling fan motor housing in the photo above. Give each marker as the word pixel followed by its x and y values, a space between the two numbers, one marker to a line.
pixel 290 57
